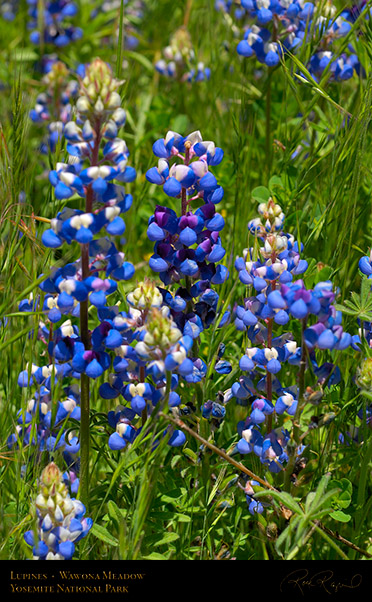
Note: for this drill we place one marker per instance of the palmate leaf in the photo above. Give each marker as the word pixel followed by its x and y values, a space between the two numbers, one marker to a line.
pixel 360 305
pixel 365 291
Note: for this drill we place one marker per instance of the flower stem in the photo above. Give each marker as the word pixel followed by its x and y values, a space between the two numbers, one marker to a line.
pixel 216 450
pixel 85 338
pixel 184 190
pixel 325 532
pixel 84 390
pixel 269 380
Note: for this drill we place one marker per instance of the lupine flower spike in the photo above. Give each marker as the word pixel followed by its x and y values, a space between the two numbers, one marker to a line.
pixel 179 59
pixel 273 28
pixel 60 519
pixel 275 298
pixel 188 248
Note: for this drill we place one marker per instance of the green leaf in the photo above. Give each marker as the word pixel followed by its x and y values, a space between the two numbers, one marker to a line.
pixel 365 290
pixel 168 537
pixel 345 310
pixel 17 336
pixel 140 58
pixel 104 535
pixel 261 193
pixel 175 460
pixel 115 512
pixel 343 499
pixel 190 454
pixel 319 503
pixel 282 496
pixel 309 500
pixel 183 518
pixel 275 181
pixel 22 55
pixel 285 537
pixel 340 516
pixel 171 496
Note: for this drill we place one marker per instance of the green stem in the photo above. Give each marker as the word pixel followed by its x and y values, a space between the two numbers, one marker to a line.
pixel 330 541
pixel 85 338
pixel 217 451
pixel 165 404
pixel 361 495
pixel 119 59
pixel 84 391
pixel 84 440
pixel 40 26
pixel 269 380
pixel 327 534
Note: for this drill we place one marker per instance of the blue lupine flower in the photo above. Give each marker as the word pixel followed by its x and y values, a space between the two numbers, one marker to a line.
pixel 189 247
pixel 194 175
pixel 177 58
pixel 134 13
pixel 279 26
pixel 65 287
pixel 55 114
pixel 365 265
pixel 8 10
pixel 286 403
pixel 60 519
pixel 57 29
pixel 177 438
pixel 278 297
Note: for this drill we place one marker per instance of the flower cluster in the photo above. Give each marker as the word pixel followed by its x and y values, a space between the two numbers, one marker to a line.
pixel 8 10
pixel 277 26
pixel 179 60
pixel 191 178
pixel 188 248
pixel 42 423
pixel 60 519
pixel 89 280
pixel 97 158
pixel 54 106
pixel 279 297
pixel 99 118
pixel 270 272
pixel 151 357
pixel 36 425
pixel 57 29
pixel 133 14
pixel 364 379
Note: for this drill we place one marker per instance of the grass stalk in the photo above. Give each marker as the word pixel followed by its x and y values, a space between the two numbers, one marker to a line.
pixel 119 54
pixel 268 144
